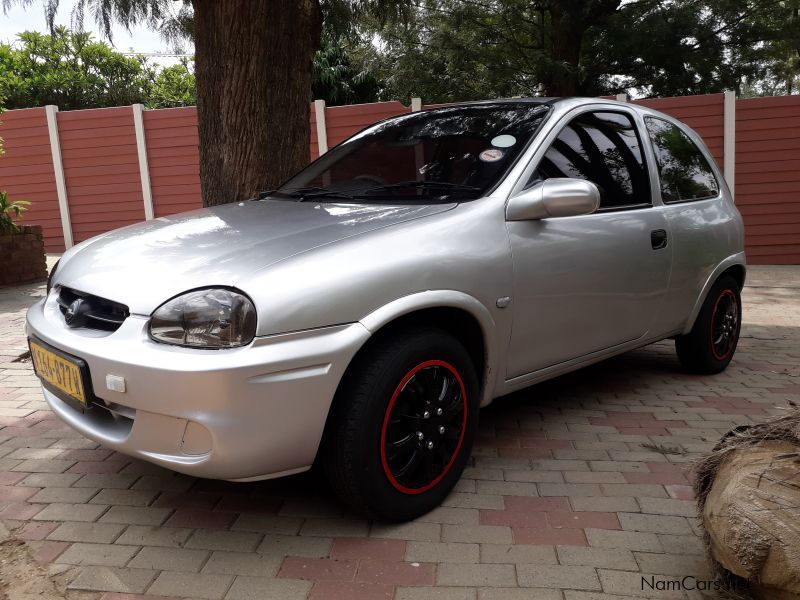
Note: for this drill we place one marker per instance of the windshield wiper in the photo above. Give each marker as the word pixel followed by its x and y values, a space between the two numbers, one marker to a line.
pixel 442 186
pixel 312 191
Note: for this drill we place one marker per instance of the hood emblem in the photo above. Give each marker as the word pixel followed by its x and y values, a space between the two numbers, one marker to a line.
pixel 76 314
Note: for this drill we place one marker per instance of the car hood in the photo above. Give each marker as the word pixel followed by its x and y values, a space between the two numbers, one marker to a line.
pixel 144 265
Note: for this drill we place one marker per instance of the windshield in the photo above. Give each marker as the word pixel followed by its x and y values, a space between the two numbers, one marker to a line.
pixel 454 153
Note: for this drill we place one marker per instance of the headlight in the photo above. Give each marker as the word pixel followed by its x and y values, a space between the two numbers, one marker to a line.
pixel 208 318
pixel 50 276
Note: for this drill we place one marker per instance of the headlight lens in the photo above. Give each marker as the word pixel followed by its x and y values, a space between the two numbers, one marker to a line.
pixel 208 318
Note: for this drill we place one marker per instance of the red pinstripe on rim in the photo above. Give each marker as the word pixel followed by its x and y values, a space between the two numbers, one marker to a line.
pixel 387 471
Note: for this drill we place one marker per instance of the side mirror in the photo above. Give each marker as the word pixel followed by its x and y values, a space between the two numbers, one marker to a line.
pixel 557 197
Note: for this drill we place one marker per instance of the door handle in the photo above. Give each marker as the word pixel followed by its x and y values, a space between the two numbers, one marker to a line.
pixel 658 239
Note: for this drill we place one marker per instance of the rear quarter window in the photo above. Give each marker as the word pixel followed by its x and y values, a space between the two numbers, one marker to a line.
pixel 683 170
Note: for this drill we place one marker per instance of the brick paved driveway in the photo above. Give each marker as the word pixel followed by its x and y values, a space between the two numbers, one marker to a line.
pixel 578 486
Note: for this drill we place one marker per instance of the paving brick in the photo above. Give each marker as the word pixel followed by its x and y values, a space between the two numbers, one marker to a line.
pixel 140 535
pixel 264 588
pixel 117 497
pixel 42 465
pixel 60 480
pixel 368 549
pixel 631 540
pixel 489 534
pixel 171 559
pixel 616 504
pixel 71 512
pixel 113 579
pixel 243 563
pixel 442 552
pixel 517 554
pixel 292 545
pixel 396 573
pixel 678 565
pixel 435 593
pixel 654 523
pixel 472 575
pixel 63 495
pixel 668 506
pixel 415 531
pixel 627 583
pixel 200 518
pixel 135 515
pixel 448 515
pixel 351 590
pixel 105 480
pixel 267 524
pixel 546 536
pixel 101 533
pixel 335 527
pixel 295 567
pixel 236 541
pixel 108 555
pixel 192 585
pixel 681 544
pixel 558 576
pixel 45 552
pixel 608 558
pixel 518 594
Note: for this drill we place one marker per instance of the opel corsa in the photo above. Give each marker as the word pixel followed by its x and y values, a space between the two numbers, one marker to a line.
pixel 360 315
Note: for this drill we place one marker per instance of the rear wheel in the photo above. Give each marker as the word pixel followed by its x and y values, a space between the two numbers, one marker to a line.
pixel 402 426
pixel 710 345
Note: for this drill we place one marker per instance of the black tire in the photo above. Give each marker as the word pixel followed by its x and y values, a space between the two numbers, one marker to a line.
pixel 709 347
pixel 385 393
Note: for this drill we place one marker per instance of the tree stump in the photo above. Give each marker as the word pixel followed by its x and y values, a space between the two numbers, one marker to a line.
pixel 749 498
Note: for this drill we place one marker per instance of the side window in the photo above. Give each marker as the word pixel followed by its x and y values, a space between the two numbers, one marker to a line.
pixel 604 148
pixel 683 169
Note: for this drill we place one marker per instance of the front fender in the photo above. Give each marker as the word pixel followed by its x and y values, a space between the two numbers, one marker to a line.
pixel 377 319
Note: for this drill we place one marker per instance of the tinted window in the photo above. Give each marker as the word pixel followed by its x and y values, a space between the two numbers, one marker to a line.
pixel 684 171
pixel 604 148
pixel 458 152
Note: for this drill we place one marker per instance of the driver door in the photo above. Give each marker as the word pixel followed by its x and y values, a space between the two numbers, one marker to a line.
pixel 583 284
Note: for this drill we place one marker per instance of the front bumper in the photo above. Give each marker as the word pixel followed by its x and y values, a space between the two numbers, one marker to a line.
pixel 244 413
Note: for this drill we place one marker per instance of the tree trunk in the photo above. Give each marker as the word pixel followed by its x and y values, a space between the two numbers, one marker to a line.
pixel 253 69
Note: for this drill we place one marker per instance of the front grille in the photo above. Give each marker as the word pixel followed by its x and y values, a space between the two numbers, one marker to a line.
pixel 83 310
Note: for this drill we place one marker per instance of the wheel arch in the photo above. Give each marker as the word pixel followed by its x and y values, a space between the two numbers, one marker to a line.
pixel 735 267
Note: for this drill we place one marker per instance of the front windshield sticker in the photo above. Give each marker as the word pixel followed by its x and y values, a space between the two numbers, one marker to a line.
pixel 504 141
pixel 491 155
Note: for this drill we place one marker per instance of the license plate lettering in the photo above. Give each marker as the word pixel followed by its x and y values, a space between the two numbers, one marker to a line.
pixel 58 371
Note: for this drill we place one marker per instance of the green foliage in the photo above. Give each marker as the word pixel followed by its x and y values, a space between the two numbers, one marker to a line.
pixel 466 49
pixel 338 79
pixel 173 86
pixel 73 71
pixel 9 211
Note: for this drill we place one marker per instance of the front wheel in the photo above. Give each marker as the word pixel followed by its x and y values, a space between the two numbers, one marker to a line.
pixel 709 346
pixel 402 426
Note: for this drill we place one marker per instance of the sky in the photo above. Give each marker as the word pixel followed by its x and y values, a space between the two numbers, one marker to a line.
pixel 31 18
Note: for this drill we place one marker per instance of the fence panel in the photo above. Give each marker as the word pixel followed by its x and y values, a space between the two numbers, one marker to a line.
pixel 101 169
pixel 768 177
pixel 103 182
pixel 173 154
pixel 26 171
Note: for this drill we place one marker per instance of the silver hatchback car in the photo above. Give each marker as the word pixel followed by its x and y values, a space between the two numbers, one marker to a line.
pixel 360 315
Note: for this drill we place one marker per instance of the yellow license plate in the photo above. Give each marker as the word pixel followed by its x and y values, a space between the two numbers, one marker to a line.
pixel 59 372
